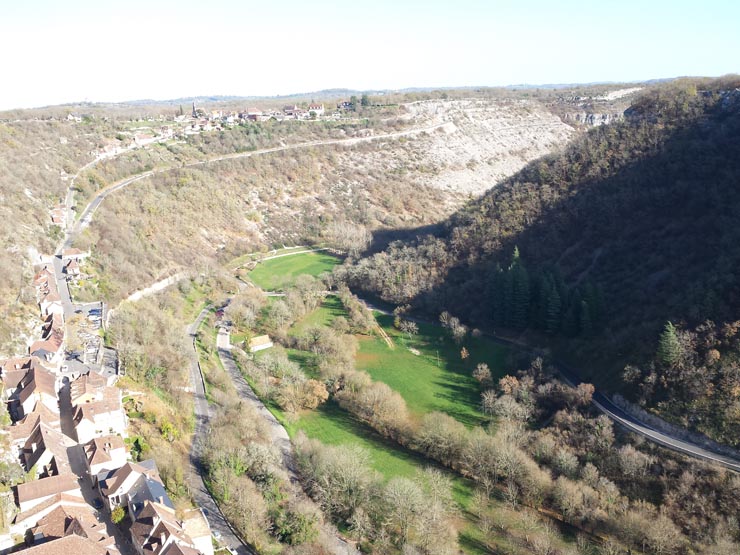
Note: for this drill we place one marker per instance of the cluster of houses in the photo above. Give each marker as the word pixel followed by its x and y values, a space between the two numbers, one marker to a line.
pixel 50 347
pixel 68 433
pixel 199 121
pixel 55 513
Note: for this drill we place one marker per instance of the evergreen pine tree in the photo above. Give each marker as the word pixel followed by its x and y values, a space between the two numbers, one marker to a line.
pixel 570 325
pixel 595 299
pixel 554 305
pixel 496 296
pixel 586 327
pixel 520 293
pixel 669 348
pixel 507 296
pixel 559 282
pixel 540 300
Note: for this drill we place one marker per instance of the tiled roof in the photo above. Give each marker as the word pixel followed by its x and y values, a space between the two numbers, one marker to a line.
pixel 22 429
pixel 177 549
pixel 154 522
pixel 38 380
pixel 98 450
pixel 53 441
pixel 70 545
pixel 60 499
pixel 88 384
pixel 117 478
pixel 66 520
pixel 38 489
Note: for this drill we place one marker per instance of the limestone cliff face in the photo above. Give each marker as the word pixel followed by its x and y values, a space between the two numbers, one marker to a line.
pixel 594 110
pixel 591 119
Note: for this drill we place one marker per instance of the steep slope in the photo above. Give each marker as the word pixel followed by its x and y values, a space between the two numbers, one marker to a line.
pixel 485 141
pixel 638 217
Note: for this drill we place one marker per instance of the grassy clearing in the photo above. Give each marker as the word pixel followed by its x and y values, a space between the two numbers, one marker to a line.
pixel 434 379
pixel 330 308
pixel 331 425
pixel 437 379
pixel 276 273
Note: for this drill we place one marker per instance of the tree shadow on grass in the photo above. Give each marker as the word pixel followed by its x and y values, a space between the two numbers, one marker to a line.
pixel 350 425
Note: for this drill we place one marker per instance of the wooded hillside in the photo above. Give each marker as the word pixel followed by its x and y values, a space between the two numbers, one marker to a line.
pixel 634 224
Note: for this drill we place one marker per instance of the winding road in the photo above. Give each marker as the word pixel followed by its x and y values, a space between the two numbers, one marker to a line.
pixel 87 214
pixel 202 411
pixel 219 525
pixel 634 424
pixel 278 436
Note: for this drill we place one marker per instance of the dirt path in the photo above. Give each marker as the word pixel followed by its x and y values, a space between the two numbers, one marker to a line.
pixel 146 291
pixel 382 333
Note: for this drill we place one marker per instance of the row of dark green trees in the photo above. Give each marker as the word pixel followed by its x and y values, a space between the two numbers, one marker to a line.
pixel 541 300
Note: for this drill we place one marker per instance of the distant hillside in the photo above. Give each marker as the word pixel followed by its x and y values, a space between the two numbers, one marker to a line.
pixel 634 224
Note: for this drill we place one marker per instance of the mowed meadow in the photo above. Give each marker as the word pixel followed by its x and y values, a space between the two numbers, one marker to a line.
pixel 275 273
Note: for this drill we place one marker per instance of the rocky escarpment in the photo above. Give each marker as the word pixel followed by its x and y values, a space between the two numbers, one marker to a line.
pixel 592 119
pixel 592 110
pixel 481 142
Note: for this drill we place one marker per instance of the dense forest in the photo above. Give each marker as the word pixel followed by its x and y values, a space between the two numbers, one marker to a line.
pixel 595 248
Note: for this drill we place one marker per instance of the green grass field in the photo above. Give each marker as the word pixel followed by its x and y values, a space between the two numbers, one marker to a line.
pixel 437 379
pixel 275 274
pixel 332 425
pixel 330 308
pixel 254 256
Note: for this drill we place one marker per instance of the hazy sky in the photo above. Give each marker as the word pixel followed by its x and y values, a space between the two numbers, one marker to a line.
pixel 57 51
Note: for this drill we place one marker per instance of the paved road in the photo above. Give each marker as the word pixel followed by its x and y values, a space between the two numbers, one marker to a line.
pixel 278 435
pixel 219 526
pixel 87 214
pixel 63 287
pixel 634 424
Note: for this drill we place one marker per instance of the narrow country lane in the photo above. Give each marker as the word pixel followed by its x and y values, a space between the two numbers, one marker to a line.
pixel 219 525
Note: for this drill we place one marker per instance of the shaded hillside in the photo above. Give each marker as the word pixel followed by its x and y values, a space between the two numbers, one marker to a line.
pixel 643 210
